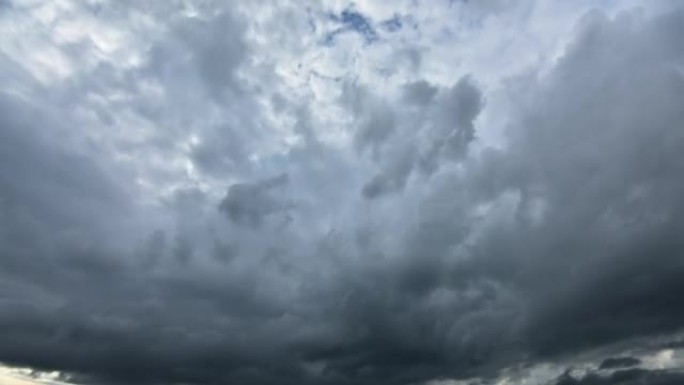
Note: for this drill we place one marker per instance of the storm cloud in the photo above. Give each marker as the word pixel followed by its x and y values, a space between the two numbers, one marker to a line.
pixel 625 377
pixel 229 193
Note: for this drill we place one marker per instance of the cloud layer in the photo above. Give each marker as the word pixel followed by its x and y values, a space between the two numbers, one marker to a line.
pixel 327 193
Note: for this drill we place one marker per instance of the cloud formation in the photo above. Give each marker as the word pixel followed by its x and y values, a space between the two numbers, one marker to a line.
pixel 625 377
pixel 218 193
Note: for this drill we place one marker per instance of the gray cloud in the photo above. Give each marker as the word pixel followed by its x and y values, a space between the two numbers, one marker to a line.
pixel 435 129
pixel 624 377
pixel 565 239
pixel 619 362
pixel 251 203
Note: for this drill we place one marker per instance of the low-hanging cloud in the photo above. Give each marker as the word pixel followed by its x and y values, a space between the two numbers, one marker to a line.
pixel 228 241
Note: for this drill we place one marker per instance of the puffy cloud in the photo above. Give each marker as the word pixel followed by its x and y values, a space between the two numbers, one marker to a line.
pixel 429 134
pixel 211 199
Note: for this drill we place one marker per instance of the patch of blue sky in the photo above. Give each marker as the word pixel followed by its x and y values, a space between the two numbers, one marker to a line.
pixel 352 21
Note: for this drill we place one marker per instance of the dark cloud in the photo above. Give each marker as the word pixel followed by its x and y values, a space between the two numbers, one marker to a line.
pixel 565 239
pixel 619 362
pixel 605 248
pixel 252 203
pixel 624 377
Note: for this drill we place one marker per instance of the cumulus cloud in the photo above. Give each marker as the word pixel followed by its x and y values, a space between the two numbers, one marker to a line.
pixel 209 193
pixel 430 133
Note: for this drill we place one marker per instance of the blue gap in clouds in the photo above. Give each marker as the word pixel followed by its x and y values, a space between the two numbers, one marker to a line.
pixel 350 20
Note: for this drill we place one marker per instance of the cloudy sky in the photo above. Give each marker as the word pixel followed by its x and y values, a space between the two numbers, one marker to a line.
pixel 439 192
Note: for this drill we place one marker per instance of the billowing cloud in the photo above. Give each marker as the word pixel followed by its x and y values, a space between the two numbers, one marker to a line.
pixel 312 193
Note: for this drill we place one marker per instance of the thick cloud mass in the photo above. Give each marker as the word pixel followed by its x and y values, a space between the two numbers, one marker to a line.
pixel 203 193
pixel 625 377
pixel 619 362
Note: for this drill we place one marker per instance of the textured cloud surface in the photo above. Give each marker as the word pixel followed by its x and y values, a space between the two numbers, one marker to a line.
pixel 305 192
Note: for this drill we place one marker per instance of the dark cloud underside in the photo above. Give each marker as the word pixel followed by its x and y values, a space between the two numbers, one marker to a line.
pixel 414 251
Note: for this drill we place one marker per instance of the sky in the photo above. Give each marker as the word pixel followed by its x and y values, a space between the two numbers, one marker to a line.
pixel 438 192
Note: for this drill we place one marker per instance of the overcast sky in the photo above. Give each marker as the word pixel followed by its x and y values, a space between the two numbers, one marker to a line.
pixel 439 192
